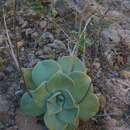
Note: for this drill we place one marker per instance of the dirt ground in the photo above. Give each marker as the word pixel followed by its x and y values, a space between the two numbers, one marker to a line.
pixel 107 59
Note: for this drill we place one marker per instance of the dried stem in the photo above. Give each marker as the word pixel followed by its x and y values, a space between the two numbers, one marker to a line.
pixel 10 43
pixel 13 53
pixel 84 29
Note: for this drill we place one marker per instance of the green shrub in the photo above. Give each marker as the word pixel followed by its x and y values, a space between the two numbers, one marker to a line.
pixel 61 92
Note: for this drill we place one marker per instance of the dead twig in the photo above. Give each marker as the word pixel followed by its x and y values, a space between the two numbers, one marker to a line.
pixel 14 28
pixel 10 43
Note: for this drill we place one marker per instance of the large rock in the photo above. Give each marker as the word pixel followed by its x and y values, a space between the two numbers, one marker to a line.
pixel 116 90
pixel 110 35
pixel 113 37
pixel 116 33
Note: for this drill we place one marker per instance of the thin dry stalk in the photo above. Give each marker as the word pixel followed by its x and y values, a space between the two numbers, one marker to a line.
pixel 84 29
pixel 13 53
pixel 10 43
pixel 86 24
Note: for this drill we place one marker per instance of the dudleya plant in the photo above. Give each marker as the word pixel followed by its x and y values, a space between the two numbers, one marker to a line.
pixel 61 92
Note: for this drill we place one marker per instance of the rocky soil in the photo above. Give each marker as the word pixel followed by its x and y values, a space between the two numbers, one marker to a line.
pixel 39 37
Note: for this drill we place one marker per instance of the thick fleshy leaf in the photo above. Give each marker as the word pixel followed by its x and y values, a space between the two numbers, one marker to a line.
pixel 70 64
pixel 69 103
pixel 60 81
pixel 69 116
pixel 70 109
pixel 35 105
pixel 44 70
pixel 40 95
pixel 29 106
pixel 53 123
pixel 82 84
pixel 57 105
pixel 88 107
pixel 27 73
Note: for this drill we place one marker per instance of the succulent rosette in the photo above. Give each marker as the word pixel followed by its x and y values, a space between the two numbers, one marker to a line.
pixel 61 92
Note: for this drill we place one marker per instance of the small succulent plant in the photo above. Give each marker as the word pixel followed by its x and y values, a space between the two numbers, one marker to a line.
pixel 62 93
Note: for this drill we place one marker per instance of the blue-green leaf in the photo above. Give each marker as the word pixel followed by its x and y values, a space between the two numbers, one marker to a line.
pixel 29 106
pixel 44 70
pixel 82 84
pixel 88 107
pixel 70 64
